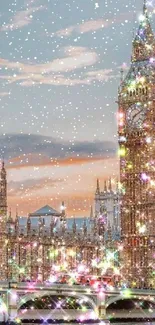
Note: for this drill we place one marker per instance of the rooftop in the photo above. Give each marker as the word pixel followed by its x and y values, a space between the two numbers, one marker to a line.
pixel 45 211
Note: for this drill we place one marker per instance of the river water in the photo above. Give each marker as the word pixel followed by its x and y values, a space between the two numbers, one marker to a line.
pixel 118 322
pixel 134 323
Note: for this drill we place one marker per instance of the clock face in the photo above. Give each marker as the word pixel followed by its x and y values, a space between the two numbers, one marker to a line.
pixel 135 116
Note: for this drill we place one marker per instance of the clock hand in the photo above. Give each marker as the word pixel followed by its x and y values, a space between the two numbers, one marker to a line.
pixel 137 113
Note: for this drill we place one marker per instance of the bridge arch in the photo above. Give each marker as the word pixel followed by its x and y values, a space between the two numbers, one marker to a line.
pixel 123 298
pixel 27 297
pixel 3 308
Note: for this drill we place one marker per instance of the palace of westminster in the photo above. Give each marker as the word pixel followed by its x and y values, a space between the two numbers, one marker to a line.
pixel 34 247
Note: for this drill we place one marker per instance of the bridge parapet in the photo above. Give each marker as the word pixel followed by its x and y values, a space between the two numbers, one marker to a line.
pixel 19 293
pixel 16 294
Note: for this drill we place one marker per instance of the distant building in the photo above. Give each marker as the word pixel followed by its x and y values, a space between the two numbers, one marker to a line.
pixel 33 248
pixel 107 207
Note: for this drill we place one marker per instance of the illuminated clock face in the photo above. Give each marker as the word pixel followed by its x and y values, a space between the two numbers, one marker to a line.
pixel 135 116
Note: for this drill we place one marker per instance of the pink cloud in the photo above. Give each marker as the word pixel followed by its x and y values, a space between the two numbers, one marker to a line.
pixel 93 25
pixel 3 94
pixel 21 18
pixel 75 58
pixel 54 72
pixel 28 80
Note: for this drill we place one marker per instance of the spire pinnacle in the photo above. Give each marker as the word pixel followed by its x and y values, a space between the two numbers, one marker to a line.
pixel 16 212
pixel 74 226
pixel 110 185
pixel 97 187
pixel 28 220
pixel 105 186
pixel 117 184
pixel 84 228
pixel 91 212
pixel 63 213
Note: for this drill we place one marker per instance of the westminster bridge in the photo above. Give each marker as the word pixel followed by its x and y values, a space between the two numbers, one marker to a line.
pixel 14 295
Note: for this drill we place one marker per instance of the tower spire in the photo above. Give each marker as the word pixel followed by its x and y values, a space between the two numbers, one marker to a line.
pixel 16 212
pixel 144 41
pixel 122 75
pixel 63 212
pixel 144 8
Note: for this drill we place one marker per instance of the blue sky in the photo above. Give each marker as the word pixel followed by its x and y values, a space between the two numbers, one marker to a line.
pixel 60 67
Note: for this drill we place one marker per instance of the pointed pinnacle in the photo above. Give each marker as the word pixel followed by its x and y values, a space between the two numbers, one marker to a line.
pixel 105 186
pixel 97 187
pixel 144 7
pixel 110 185
pixel 91 212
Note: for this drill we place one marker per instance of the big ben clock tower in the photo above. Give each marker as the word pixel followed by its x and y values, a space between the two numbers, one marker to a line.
pixel 136 100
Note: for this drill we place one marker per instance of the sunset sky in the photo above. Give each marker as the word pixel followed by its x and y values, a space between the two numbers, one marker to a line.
pixel 60 65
